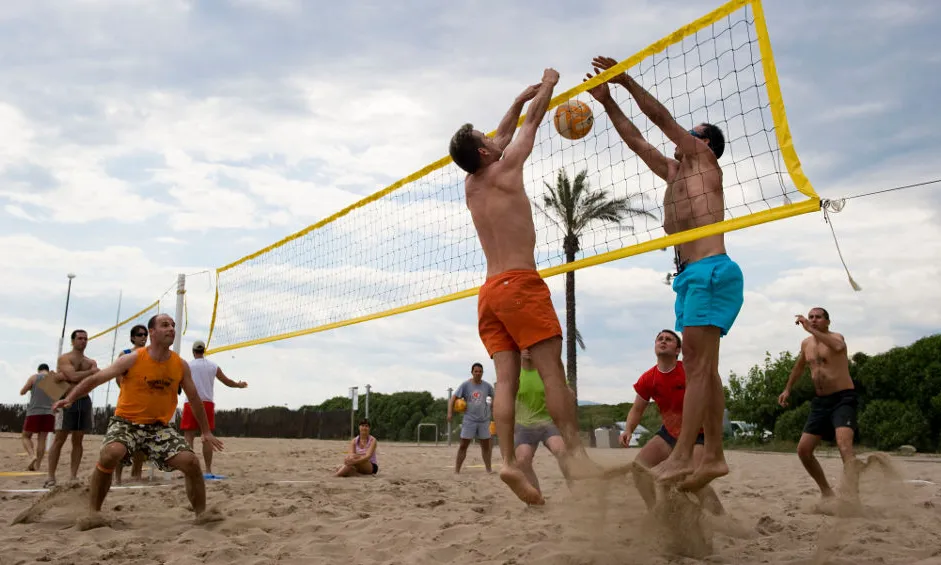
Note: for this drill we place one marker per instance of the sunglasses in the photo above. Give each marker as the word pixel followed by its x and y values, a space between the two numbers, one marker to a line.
pixel 139 335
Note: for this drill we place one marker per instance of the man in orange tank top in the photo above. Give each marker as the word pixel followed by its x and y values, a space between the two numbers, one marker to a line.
pixel 141 422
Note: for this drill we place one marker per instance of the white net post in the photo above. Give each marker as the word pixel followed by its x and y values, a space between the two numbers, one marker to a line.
pixel 180 294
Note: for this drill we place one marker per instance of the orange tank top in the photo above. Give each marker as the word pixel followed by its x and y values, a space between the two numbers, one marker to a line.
pixel 149 390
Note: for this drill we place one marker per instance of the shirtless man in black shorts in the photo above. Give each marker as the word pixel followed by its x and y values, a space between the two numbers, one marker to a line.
pixel 833 410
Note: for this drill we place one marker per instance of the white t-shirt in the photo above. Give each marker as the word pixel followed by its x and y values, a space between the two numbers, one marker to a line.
pixel 204 376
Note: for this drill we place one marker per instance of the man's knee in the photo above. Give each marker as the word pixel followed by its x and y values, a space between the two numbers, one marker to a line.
pixel 185 461
pixel 112 454
pixel 805 449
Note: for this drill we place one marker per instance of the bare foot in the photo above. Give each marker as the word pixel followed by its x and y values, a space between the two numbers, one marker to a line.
pixel 516 480
pixel 94 520
pixel 672 470
pixel 577 467
pixel 209 515
pixel 32 465
pixel 707 472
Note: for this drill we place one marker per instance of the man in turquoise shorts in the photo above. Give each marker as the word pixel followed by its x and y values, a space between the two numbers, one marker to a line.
pixel 709 285
pixel 533 423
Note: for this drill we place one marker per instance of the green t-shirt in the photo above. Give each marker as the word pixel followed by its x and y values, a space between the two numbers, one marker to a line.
pixel 531 399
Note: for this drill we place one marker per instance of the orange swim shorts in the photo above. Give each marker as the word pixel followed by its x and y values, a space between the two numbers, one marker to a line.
pixel 514 311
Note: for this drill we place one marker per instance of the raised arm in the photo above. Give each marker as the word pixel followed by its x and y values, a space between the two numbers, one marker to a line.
pixel 227 381
pixel 87 384
pixel 507 127
pixel 656 161
pixel 520 148
pixel 652 108
pixel 29 385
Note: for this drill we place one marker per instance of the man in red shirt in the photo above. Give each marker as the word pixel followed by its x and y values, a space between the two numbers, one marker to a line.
pixel 665 384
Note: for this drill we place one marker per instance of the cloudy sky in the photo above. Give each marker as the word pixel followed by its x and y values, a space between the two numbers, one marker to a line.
pixel 148 138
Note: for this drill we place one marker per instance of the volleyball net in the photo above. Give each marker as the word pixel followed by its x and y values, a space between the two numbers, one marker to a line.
pixel 413 245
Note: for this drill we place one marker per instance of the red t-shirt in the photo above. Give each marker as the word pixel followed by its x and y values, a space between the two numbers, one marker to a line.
pixel 667 390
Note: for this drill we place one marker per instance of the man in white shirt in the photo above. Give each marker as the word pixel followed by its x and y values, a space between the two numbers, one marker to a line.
pixel 205 373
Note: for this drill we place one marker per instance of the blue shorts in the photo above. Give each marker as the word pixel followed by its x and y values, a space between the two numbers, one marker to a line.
pixel 471 429
pixel 709 292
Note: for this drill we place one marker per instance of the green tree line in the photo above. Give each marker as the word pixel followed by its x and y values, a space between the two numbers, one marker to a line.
pixel 899 396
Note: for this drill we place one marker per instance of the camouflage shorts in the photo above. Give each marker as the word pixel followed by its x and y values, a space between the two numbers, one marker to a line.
pixel 157 441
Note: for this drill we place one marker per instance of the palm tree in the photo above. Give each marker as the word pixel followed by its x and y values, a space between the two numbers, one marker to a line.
pixel 572 206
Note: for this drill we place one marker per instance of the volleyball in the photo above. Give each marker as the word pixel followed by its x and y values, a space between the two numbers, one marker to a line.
pixel 573 119
pixel 460 405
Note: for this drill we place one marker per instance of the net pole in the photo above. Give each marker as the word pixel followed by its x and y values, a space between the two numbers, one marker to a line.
pixel 114 344
pixel 368 388
pixel 180 294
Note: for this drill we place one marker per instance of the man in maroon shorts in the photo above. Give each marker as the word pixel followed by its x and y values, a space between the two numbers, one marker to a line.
pixel 205 373
pixel 39 417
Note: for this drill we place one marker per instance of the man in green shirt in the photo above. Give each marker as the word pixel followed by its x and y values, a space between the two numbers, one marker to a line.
pixel 533 423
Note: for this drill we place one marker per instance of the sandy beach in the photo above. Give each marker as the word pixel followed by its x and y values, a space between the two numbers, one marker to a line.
pixel 282 505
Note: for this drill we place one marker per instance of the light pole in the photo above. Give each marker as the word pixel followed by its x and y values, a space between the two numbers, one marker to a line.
pixel 65 319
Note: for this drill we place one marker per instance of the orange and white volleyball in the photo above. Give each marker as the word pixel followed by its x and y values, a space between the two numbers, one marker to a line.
pixel 460 405
pixel 573 119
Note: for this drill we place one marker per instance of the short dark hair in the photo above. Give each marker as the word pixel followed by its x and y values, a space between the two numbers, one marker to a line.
pixel 42 367
pixel 716 139
pixel 364 422
pixel 138 327
pixel 679 341
pixel 76 332
pixel 464 149
pixel 476 365
pixel 152 322
pixel 826 315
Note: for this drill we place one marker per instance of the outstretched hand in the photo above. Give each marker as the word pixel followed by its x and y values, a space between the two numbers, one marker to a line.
pixel 605 63
pixel 550 76
pixel 530 92
pixel 59 404
pixel 601 93
pixel 803 322
pixel 215 443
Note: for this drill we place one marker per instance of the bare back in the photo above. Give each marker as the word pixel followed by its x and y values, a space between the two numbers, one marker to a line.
pixel 694 198
pixel 503 217
pixel 829 369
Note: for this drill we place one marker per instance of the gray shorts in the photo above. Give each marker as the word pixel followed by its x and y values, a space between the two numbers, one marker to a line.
pixel 534 435
pixel 471 429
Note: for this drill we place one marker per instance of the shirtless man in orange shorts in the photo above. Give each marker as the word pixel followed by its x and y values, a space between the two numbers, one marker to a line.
pixel 514 306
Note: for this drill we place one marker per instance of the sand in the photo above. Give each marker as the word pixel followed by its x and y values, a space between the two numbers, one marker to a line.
pixel 282 505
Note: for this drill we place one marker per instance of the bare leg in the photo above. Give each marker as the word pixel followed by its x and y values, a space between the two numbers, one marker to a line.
pixel 40 448
pixel 486 451
pixel 507 364
pixel 27 438
pixel 707 495
pixel 77 452
pixel 844 441
pixel 187 463
pixel 547 358
pixel 655 451
pixel 805 451
pixel 207 456
pixel 137 466
pixel 461 454
pixel 109 459
pixel 54 452
pixel 524 457
pixel 701 409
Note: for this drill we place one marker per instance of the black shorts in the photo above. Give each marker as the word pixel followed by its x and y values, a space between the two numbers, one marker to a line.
pixel 827 413
pixel 671 441
pixel 78 417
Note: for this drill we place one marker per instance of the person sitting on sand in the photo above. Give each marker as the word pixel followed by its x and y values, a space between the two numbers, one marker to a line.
pixel 665 384
pixel 361 459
